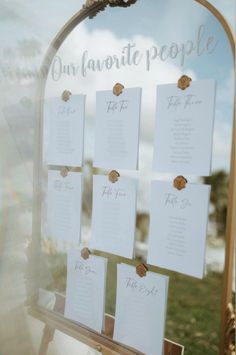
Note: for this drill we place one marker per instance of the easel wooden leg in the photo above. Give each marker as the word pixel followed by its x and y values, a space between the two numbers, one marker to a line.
pixel 48 334
pixel 107 352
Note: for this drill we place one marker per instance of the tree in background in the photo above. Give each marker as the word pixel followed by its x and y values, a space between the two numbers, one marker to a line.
pixel 219 181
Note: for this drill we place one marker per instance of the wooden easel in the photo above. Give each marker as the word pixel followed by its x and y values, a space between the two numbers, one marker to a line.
pixel 55 320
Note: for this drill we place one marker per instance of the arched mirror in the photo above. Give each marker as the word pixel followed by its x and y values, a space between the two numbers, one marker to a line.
pixel 144 45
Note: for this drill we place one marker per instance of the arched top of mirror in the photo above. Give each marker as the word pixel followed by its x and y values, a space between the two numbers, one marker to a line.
pixel 149 43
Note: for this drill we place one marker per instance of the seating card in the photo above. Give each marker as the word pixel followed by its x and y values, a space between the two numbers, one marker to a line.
pixel 140 309
pixel 66 130
pixel 114 215
pixel 184 128
pixel 117 129
pixel 178 227
pixel 64 206
pixel 85 289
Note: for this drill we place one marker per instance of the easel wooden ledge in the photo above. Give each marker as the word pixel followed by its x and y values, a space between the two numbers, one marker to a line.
pixel 54 320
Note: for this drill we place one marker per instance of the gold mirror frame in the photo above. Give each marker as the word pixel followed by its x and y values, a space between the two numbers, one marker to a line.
pixel 90 9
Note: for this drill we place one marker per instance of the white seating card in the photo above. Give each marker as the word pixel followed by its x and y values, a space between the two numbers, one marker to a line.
pixel 184 128
pixel 178 227
pixel 117 129
pixel 64 206
pixel 114 215
pixel 140 310
pixel 66 130
pixel 85 289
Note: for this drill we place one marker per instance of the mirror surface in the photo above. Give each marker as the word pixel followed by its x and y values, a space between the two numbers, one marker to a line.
pixel 149 43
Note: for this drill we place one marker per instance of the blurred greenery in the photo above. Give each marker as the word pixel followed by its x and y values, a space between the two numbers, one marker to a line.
pixel 219 181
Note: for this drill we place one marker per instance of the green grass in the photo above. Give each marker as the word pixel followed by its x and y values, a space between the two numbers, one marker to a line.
pixel 193 316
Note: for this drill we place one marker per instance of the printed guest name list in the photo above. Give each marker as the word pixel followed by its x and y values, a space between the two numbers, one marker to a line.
pixel 184 128
pixel 117 129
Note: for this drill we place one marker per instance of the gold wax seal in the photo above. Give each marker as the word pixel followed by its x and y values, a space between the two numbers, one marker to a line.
pixel 64 171
pixel 65 96
pixel 85 253
pixel 141 270
pixel 180 182
pixel 184 82
pixel 118 89
pixel 113 176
